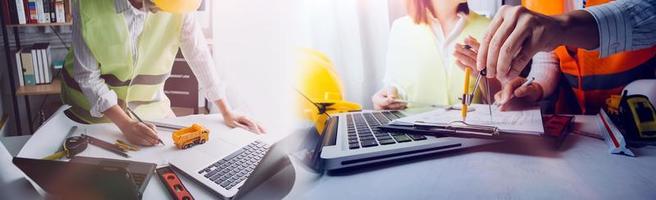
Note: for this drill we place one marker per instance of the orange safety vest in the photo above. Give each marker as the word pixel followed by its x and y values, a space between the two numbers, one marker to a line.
pixel 590 79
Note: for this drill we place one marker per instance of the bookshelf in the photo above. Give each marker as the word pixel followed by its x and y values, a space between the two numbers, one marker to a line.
pixel 26 91
pixel 37 25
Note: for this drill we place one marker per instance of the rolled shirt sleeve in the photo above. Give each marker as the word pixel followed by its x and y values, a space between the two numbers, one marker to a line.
pixel 625 25
pixel 196 51
pixel 545 69
pixel 87 73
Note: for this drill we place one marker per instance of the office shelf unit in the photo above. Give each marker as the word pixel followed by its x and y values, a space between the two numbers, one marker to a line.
pixel 25 91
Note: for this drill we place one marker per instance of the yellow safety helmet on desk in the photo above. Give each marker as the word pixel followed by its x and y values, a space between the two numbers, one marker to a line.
pixel 177 6
pixel 320 88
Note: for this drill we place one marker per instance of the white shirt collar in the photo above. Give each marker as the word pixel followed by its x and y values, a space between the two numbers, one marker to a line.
pixel 124 5
pixel 455 31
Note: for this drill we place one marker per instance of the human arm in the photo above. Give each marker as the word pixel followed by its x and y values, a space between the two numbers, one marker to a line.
pixel 516 34
pixel 103 101
pixel 625 25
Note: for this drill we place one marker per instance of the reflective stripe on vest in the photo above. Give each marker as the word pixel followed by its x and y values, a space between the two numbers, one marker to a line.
pixel 593 79
pixel 138 83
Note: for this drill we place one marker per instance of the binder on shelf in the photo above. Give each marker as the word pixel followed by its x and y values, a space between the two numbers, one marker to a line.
pixel 19 68
pixel 41 54
pixel 35 65
pixel 20 11
pixel 47 58
pixel 42 66
pixel 28 66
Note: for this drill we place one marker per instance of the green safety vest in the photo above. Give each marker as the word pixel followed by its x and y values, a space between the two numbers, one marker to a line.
pixel 415 66
pixel 140 83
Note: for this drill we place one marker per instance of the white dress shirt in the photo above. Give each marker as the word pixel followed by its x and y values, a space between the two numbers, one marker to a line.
pixel 625 25
pixel 192 43
pixel 445 45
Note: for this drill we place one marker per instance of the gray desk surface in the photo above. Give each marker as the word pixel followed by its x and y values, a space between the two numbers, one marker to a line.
pixel 529 169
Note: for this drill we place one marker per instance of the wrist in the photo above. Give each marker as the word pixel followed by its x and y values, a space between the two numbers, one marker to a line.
pixel 118 116
pixel 561 25
pixel 577 29
pixel 225 110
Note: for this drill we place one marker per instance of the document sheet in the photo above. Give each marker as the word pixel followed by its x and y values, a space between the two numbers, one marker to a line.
pixel 527 120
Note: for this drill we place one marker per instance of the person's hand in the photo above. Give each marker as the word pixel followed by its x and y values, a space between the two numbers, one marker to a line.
pixel 513 37
pixel 466 53
pixel 512 90
pixel 387 99
pixel 234 120
pixel 140 133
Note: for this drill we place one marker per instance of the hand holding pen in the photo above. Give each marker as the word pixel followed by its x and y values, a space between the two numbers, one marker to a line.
pixel 518 88
pixel 147 132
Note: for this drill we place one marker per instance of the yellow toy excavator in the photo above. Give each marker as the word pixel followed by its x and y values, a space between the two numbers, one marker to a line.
pixel 320 89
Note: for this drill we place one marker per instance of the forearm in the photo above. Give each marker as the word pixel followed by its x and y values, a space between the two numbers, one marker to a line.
pixel 118 116
pixel 195 49
pixel 625 25
pixel 545 69
pixel 224 108
pixel 578 29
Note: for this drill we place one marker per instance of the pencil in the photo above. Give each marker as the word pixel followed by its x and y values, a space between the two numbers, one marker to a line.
pixel 138 118
pixel 465 97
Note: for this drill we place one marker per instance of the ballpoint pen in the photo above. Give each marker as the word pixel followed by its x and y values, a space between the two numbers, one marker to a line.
pixel 138 118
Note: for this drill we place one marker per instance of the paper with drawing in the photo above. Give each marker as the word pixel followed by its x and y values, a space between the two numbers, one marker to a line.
pixel 526 120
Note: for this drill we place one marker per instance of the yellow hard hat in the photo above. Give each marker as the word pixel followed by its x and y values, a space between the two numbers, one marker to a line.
pixel 177 6
pixel 320 88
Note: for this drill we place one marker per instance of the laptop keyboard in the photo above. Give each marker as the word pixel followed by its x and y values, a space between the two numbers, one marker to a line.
pixel 363 130
pixel 236 167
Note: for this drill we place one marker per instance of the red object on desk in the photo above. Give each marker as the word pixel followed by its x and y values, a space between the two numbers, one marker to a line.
pixel 173 184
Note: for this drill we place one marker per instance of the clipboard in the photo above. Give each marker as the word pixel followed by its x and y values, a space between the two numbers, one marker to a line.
pixel 525 121
pixel 455 129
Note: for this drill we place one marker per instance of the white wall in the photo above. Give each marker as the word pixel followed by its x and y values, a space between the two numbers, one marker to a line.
pixel 252 51
pixel 353 33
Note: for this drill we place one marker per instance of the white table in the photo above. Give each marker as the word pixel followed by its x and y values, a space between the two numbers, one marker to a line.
pixel 532 169
pixel 47 139
pixel 581 169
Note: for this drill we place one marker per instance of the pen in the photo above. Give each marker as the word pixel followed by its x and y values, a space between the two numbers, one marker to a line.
pixel 138 118
pixel 465 97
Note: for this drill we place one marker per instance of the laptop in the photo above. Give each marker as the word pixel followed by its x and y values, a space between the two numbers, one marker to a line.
pixel 83 176
pixel 234 174
pixel 352 139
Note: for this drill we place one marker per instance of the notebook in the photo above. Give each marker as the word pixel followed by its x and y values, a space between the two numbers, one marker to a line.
pixel 521 120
